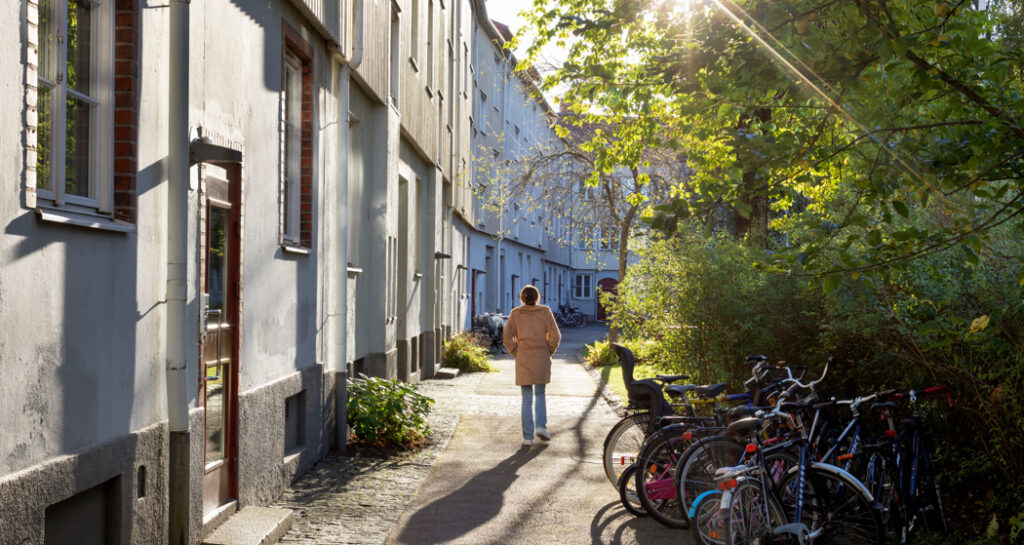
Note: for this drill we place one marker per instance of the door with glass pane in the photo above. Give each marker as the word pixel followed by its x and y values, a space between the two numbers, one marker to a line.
pixel 219 373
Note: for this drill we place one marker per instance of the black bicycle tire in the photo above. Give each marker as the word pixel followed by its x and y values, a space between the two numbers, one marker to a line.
pixel 630 503
pixel 705 512
pixel 821 502
pixel 752 486
pixel 639 419
pixel 707 446
pixel 662 453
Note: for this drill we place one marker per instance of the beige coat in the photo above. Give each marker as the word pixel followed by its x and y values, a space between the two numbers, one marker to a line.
pixel 531 335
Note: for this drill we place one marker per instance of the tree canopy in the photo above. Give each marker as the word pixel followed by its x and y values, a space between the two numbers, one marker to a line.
pixel 876 131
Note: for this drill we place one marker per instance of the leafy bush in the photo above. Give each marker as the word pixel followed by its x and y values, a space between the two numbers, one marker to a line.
pixel 467 353
pixel 389 413
pixel 940 319
pixel 599 354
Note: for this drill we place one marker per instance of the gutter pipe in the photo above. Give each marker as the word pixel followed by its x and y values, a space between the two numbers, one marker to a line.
pixel 339 313
pixel 178 526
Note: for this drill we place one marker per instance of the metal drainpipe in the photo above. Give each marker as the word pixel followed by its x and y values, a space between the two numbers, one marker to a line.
pixel 178 524
pixel 339 317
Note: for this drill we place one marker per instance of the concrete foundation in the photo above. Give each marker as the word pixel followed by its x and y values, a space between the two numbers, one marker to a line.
pixel 380 364
pixel 403 359
pixel 428 354
pixel 265 468
pixel 135 501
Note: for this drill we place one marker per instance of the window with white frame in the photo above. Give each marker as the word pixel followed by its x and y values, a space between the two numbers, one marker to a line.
pixel 583 286
pixel 74 122
pixel 292 146
pixel 296 141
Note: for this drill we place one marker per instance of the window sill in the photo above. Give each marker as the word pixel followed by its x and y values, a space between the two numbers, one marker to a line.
pixel 417 275
pixel 295 249
pixel 430 94
pixel 353 271
pixel 415 65
pixel 83 219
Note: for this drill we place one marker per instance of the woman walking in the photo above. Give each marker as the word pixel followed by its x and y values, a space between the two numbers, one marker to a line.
pixel 531 335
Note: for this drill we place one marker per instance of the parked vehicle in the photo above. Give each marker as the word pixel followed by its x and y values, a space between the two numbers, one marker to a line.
pixel 491 325
pixel 569 316
pixel 786 467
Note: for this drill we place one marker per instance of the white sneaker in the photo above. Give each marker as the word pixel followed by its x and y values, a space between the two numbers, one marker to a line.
pixel 527 442
pixel 543 434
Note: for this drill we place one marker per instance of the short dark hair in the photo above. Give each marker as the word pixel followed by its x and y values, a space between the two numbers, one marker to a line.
pixel 529 295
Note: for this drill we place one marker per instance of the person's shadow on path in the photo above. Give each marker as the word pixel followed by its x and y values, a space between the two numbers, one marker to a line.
pixel 472 505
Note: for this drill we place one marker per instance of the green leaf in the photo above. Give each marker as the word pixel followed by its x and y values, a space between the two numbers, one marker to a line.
pixel 874 237
pixel 901 208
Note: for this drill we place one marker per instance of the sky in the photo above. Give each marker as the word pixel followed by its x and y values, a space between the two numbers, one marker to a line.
pixel 507 12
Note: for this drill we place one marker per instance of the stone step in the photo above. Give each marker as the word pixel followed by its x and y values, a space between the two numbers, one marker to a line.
pixel 252 526
pixel 446 372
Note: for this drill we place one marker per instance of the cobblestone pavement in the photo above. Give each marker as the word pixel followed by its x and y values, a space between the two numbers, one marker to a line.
pixel 357 501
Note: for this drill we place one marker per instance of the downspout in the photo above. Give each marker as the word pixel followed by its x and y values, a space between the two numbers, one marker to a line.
pixel 339 316
pixel 178 523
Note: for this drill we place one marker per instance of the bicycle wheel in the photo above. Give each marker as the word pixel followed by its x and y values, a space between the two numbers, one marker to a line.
pixel 654 479
pixel 627 493
pixel 837 504
pixel 928 497
pixel 622 445
pixel 707 519
pixel 751 515
pixel 695 473
pixel 882 482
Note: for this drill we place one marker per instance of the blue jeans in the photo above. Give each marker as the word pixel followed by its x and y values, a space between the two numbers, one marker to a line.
pixel 529 408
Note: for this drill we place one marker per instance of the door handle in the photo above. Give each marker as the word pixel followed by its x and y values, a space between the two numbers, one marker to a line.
pixel 220 331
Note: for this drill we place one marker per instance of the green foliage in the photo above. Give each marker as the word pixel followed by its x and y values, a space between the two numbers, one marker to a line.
pixel 386 412
pixel 706 307
pixel 466 352
pixel 847 119
pixel 937 320
pixel 599 354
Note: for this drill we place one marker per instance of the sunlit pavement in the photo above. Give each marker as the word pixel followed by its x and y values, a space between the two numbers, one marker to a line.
pixel 487 488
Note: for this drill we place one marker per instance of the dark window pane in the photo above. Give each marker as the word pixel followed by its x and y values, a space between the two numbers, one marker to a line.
pixel 47 41
pixel 43 135
pixel 79 45
pixel 76 148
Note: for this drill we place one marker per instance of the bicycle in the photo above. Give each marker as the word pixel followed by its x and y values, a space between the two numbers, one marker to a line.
pixel 815 502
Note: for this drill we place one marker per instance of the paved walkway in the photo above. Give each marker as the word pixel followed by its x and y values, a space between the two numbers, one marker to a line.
pixel 476 484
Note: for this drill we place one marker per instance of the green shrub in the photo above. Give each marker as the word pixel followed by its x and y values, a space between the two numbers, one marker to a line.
pixel 599 354
pixel 939 319
pixel 389 413
pixel 467 353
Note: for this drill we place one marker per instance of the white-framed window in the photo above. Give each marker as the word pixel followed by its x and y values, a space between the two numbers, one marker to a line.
pixel 583 286
pixel 395 47
pixel 74 100
pixel 292 147
pixel 414 43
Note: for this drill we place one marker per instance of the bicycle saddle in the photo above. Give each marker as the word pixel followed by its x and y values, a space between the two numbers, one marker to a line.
pixel 736 413
pixel 883 405
pixel 679 389
pixel 744 427
pixel 710 390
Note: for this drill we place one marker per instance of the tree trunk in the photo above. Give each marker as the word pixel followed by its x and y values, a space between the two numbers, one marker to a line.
pixel 625 227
